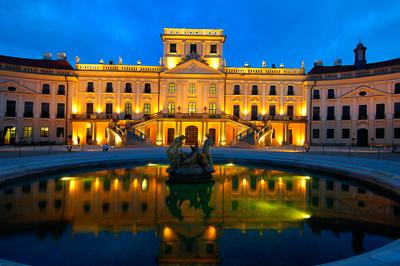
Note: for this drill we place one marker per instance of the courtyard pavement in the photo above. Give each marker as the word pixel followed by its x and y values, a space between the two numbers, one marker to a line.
pixel 381 167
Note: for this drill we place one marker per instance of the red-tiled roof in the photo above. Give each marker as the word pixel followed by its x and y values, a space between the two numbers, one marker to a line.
pixel 43 63
pixel 346 68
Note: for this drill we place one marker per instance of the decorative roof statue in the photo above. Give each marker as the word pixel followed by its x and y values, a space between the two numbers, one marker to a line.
pixel 119 60
pixel 263 64
pixel 101 61
pixel 139 62
pixel 281 65
pixel 194 165
pixel 302 64
pixel 77 59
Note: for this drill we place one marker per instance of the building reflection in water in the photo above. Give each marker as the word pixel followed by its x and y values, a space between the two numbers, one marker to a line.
pixel 189 219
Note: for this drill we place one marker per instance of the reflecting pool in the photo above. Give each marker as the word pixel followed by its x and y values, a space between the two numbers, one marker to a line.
pixel 244 216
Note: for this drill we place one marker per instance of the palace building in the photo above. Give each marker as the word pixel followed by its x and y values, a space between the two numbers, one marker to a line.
pixel 192 92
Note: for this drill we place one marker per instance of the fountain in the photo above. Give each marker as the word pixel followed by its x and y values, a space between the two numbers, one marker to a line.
pixel 193 166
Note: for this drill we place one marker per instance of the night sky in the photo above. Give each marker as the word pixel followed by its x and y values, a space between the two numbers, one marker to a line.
pixel 277 31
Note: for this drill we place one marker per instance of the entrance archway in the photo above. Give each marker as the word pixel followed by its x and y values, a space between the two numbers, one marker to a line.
pixel 362 137
pixel 191 134
pixel 9 135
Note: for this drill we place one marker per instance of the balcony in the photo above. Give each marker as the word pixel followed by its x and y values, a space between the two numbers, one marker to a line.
pixel 11 114
pixel 346 117
pixel 316 118
pixel 45 115
pixel 330 117
pixel 396 115
pixel 96 116
pixel 362 117
pixel 60 115
pixel 380 116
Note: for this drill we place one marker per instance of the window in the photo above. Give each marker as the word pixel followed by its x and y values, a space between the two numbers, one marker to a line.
pixel 396 110
pixel 212 108
pixel 172 47
pixel 345 187
pixel 27 132
pixel 254 90
pixel 90 87
pixel 315 183
pixel 213 49
pixel 109 87
pixel 213 88
pixel 192 107
pixel 60 132
pixel 315 113
pixel 330 113
pixel 236 110
pixel 192 88
pixel 346 112
pixel 60 110
pixel 254 112
pixel 46 89
pixel 289 110
pixel 236 89
pixel 89 108
pixel 28 109
pixel 290 90
pixel 147 109
pixel 147 88
pixel 12 88
pixel 345 133
pixel 128 111
pixel 362 112
pixel 109 108
pixel 329 185
pixel 171 108
pixel 380 111
pixel 10 108
pixel 44 132
pixel 272 90
pixel 45 110
pixel 193 48
pixel 316 95
pixel 171 88
pixel 128 87
pixel 396 132
pixel 235 183
pixel 272 110
pixel 315 133
pixel 331 94
pixel 380 133
pixel 61 90
pixel 362 93
pixel 397 88
pixel 330 133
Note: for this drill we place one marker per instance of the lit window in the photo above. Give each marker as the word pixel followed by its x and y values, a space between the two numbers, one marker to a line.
pixel 192 107
pixel 44 132
pixel 145 184
pixel 171 108
pixel 192 88
pixel 147 109
pixel 212 108
pixel 171 88
pixel 213 88
pixel 27 132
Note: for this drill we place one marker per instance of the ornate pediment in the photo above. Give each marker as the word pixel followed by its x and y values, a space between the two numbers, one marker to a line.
pixel 363 91
pixel 192 67
pixel 5 84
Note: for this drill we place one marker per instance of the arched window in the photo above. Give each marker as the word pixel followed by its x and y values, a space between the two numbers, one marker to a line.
pixel 128 87
pixel 171 88
pixel 315 95
pixel 109 87
pixel 90 87
pixel 397 88
pixel 192 88
pixel 331 94
pixel 171 108
pixel 46 89
pixel 290 90
pixel 212 108
pixel 147 109
pixel 147 88
pixel 213 88
pixel 192 108
pixel 254 90
pixel 272 90
pixel 236 89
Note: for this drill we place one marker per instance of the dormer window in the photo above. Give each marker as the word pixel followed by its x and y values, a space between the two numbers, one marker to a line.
pixel 172 47
pixel 193 48
pixel 213 49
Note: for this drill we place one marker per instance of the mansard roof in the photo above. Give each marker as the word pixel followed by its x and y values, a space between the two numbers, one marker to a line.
pixel 41 63
pixel 347 68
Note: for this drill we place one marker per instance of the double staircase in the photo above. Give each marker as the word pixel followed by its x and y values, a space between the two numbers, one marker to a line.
pixel 253 136
pixel 126 135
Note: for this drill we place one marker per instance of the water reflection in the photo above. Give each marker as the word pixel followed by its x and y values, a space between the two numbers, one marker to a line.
pixel 191 219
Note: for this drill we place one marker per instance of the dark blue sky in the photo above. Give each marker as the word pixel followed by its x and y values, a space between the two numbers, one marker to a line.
pixel 277 31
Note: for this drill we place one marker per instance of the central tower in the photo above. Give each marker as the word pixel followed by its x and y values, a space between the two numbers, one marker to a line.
pixel 201 44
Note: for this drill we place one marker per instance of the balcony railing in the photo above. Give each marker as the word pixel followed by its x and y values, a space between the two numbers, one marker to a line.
pixel 362 117
pixel 380 116
pixel 98 116
pixel 316 117
pixel 28 114
pixel 45 115
pixel 396 115
pixel 11 114
pixel 60 115
pixel 346 117
pixel 330 117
